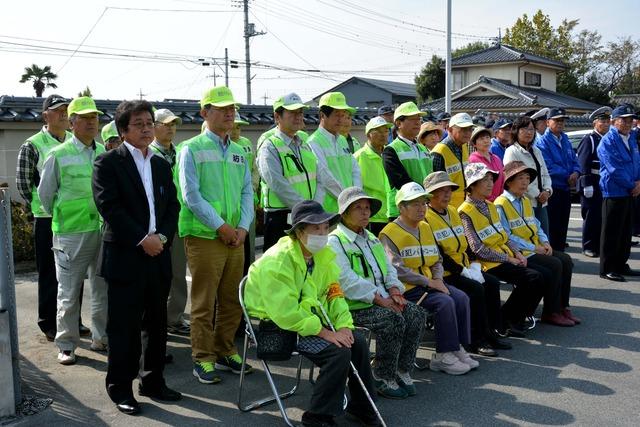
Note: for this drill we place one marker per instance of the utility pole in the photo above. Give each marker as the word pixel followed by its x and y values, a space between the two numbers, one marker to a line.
pixel 140 94
pixel 447 75
pixel 226 67
pixel 249 31
pixel 265 97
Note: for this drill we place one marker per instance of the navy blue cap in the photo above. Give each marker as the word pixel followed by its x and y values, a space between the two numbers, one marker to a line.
pixel 478 120
pixel 501 124
pixel 443 116
pixel 556 113
pixel 386 109
pixel 623 110
pixel 600 113
pixel 310 212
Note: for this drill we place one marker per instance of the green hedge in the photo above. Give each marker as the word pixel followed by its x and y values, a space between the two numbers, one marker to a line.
pixel 22 229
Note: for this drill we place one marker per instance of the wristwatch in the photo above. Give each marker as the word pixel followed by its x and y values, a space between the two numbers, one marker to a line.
pixel 163 238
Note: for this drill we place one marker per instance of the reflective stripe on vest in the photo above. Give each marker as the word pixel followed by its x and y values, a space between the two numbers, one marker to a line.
pixel 340 163
pixel 450 236
pixel 491 233
pixel 455 169
pixel 220 177
pixel 417 165
pixel 74 210
pixel 523 226
pixel 43 142
pixel 374 179
pixel 359 263
pixel 301 175
pixel 418 255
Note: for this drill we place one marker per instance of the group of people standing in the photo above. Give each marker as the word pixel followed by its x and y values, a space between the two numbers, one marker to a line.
pixel 422 218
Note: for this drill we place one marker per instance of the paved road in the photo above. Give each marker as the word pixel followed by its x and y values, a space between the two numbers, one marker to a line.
pixel 587 375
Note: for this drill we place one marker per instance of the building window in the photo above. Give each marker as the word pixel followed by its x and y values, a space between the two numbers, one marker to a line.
pixel 532 79
pixel 458 80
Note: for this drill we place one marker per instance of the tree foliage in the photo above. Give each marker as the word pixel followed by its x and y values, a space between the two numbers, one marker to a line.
pixel 85 92
pixel 42 78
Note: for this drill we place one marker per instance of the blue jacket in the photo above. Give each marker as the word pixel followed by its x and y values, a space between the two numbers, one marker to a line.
pixel 561 162
pixel 497 148
pixel 619 167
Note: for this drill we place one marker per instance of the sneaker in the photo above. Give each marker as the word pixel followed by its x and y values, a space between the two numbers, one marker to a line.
pixel 233 363
pixel 182 328
pixel 464 357
pixel 98 346
pixel 205 373
pixel 83 331
pixel 448 363
pixel 66 357
pixel 405 382
pixel 389 389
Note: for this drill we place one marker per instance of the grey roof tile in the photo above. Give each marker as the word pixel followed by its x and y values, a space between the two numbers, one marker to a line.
pixel 503 53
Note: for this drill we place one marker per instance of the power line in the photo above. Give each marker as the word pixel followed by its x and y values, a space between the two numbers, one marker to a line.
pixel 83 40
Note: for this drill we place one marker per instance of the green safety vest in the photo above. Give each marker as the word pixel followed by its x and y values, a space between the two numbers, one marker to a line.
pixel 374 179
pixel 359 263
pixel 74 210
pixel 301 175
pixel 43 143
pixel 340 165
pixel 220 176
pixel 247 146
pixel 418 166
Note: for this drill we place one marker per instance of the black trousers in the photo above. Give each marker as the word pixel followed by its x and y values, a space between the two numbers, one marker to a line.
pixel 615 236
pixel 137 330
pixel 484 302
pixel 334 367
pixel 636 216
pixel 376 227
pixel 559 209
pixel 527 291
pixel 556 270
pixel 275 223
pixel 47 281
pixel 591 209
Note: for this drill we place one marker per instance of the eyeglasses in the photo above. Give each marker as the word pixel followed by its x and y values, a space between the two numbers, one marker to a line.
pixel 142 125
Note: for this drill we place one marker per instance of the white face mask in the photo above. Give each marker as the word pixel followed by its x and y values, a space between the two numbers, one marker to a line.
pixel 315 242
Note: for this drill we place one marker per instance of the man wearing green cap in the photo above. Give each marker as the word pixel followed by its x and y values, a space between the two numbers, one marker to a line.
pixel 287 167
pixel 65 192
pixel 374 179
pixel 110 137
pixel 215 215
pixel 337 168
pixel 405 159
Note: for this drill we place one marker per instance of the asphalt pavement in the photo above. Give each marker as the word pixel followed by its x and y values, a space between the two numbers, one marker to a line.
pixel 587 375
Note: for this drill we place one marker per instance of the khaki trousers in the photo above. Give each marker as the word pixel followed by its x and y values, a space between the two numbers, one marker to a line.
pixel 216 271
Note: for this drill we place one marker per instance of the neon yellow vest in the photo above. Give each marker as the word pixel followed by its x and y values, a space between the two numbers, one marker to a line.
pixel 374 179
pixel 221 177
pixel 359 263
pixel 43 142
pixel 301 175
pixel 491 233
pixel 523 226
pixel 418 166
pixel 450 236
pixel 455 170
pixel 418 255
pixel 247 146
pixel 74 210
pixel 340 165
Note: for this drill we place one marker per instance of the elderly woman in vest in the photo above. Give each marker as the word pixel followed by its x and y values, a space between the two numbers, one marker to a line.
pixel 374 294
pixel 524 231
pixel 410 244
pixel 287 285
pixel 483 289
pixel 481 142
pixel 498 256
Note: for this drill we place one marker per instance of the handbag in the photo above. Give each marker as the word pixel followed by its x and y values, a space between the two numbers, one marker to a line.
pixel 275 343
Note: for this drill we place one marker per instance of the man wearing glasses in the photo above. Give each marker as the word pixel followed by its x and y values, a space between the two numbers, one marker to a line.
pixel 216 212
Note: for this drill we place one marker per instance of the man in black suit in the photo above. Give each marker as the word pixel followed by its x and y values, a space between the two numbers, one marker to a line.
pixel 135 194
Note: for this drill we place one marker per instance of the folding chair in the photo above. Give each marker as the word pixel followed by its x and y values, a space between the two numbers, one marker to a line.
pixel 250 340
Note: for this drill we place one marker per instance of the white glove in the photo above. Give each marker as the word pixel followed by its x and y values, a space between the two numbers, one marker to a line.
pixel 467 273
pixel 588 191
pixel 476 270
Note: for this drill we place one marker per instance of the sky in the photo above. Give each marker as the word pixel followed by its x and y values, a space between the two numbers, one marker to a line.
pixel 153 48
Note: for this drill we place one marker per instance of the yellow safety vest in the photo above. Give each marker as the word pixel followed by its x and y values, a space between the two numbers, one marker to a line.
pixel 523 226
pixel 455 170
pixel 491 233
pixel 450 236
pixel 417 254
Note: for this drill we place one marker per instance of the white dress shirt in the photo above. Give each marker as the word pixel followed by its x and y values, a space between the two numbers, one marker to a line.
pixel 143 164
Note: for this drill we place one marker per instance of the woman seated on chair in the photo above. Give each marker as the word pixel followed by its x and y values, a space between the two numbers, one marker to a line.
pixel 482 289
pixel 498 256
pixel 410 244
pixel 374 294
pixel 290 285
pixel 524 231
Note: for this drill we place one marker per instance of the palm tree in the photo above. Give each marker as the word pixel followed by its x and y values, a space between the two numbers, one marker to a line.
pixel 42 78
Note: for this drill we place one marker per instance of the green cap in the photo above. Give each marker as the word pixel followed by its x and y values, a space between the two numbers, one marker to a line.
pixel 238 120
pixel 290 101
pixel 82 105
pixel 375 123
pixel 219 96
pixel 109 131
pixel 407 109
pixel 337 101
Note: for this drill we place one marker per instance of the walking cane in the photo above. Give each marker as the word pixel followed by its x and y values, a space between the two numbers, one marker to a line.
pixel 355 372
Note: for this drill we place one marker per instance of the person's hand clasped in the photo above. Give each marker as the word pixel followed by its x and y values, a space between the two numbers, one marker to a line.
pixel 438 285
pixel 151 245
pixel 341 338
pixel 227 234
pixel 543 197
pixel 241 235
